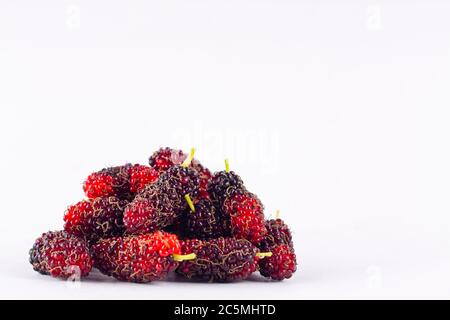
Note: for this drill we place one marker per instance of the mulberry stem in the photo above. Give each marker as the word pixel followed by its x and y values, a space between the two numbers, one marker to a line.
pixel 263 255
pixel 184 257
pixel 188 160
pixel 227 165
pixel 190 203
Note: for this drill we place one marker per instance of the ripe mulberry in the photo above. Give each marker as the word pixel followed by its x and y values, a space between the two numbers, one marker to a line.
pixel 278 233
pixel 190 245
pixel 177 182
pixel 204 221
pixel 142 258
pixel 204 176
pixel 60 254
pixel 120 181
pixel 151 210
pixel 246 213
pixel 281 265
pixel 96 218
pixel 141 176
pixel 166 158
pixel 222 259
pixel 112 181
pixel 223 184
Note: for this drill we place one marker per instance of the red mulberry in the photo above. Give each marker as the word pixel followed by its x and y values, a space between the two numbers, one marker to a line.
pixel 166 158
pixel 141 176
pixel 60 254
pixel 96 218
pixel 246 213
pixel 142 258
pixel 120 181
pixel 281 265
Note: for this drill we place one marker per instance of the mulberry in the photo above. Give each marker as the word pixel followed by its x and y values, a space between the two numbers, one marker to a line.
pixel 151 210
pixel 222 259
pixel 190 245
pixel 166 158
pixel 120 181
pixel 280 265
pixel 246 214
pixel 141 258
pixel 223 184
pixel 179 181
pixel 278 233
pixel 96 218
pixel 60 254
pixel 204 176
pixel 204 221
pixel 141 176
pixel 112 181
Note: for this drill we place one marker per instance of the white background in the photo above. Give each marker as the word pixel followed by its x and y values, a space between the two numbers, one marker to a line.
pixel 336 114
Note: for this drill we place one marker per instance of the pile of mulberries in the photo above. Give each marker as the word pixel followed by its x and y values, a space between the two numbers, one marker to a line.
pixel 139 223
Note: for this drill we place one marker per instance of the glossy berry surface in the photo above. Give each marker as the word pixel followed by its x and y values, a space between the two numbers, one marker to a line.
pixel 151 210
pixel 278 233
pixel 176 183
pixel 62 255
pixel 281 265
pixel 246 214
pixel 141 176
pixel 120 181
pixel 96 218
pixel 204 176
pixel 190 245
pixel 112 181
pixel 205 223
pixel 223 184
pixel 166 158
pixel 222 260
pixel 248 226
pixel 141 258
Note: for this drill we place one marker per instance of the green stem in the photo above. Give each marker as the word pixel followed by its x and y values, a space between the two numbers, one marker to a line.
pixel 227 165
pixel 188 160
pixel 184 257
pixel 190 203
pixel 263 255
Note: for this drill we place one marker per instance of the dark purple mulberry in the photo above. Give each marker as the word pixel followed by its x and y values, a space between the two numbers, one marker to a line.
pixel 222 259
pixel 177 182
pixel 223 184
pixel 151 210
pixel 206 222
pixel 278 233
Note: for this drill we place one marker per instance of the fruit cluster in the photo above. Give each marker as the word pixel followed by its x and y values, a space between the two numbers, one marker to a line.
pixel 139 223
